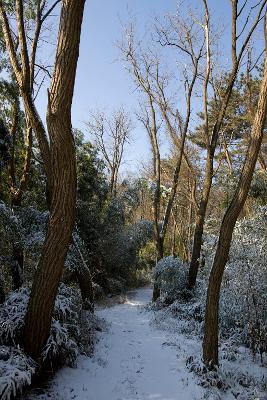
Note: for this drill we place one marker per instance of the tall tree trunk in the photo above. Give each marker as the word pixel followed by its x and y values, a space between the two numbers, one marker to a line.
pixel 157 195
pixel 63 166
pixel 210 342
pixel 200 220
pixel 111 189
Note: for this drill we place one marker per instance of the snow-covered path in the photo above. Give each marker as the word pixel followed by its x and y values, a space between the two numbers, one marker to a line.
pixel 133 361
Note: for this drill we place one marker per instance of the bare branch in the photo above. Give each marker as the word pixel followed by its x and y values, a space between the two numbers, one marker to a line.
pixel 46 15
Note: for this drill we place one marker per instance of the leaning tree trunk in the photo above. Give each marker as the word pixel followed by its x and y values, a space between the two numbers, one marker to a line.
pixel 63 166
pixel 210 342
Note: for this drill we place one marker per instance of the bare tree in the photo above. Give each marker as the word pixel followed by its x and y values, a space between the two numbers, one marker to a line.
pixel 191 43
pixel 58 154
pixel 145 68
pixel 212 138
pixel 111 135
pixel 210 342
pixel 147 116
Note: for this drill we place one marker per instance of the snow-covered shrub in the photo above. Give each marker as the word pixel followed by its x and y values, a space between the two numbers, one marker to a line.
pixel 244 294
pixel 65 341
pixel 170 276
pixel 233 379
pixel 11 236
pixel 72 332
pixel 34 224
pixel 12 314
pixel 258 187
pixel 24 229
pixel 16 371
pixel 10 223
pixel 60 345
pixel 243 302
pixel 24 226
pixel 77 255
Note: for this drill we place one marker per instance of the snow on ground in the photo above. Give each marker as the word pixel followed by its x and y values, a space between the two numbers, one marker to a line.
pixel 132 361
pixel 145 355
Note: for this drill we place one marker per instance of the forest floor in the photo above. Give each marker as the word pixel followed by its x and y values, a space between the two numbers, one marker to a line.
pixel 133 360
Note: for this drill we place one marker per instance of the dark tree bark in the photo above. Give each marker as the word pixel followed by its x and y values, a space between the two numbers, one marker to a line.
pixel 62 153
pixel 84 280
pixel 210 342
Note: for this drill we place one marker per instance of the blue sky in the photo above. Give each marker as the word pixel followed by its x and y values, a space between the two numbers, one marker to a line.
pixel 102 82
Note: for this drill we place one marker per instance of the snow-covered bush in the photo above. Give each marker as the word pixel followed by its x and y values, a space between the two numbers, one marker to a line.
pixel 9 223
pixel 24 229
pixel 65 341
pixel 16 371
pixel 244 294
pixel 170 276
pixel 34 224
pixel 243 303
pixel 11 236
pixel 24 226
pixel 12 314
pixel 258 187
pixel 234 379
pixel 76 256
pixel 72 332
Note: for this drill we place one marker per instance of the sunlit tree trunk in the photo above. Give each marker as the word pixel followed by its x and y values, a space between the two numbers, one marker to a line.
pixel 210 342
pixel 62 152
